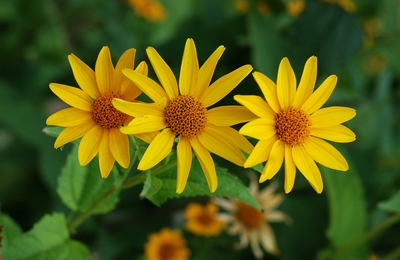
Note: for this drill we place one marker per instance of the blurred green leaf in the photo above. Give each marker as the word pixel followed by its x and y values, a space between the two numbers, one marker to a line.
pixel 347 209
pixel 151 186
pixel 80 187
pixel 229 186
pixel 10 231
pixel 48 239
pixel 392 204
pixel 53 131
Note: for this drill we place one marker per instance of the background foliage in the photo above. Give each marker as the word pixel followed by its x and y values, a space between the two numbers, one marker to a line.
pixel 346 221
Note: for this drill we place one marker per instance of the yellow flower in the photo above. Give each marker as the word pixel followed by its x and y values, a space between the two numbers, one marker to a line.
pixel 202 220
pixel 166 245
pixel 290 126
pixel 184 115
pixel 295 7
pixel 151 10
pixel 249 223
pixel 92 114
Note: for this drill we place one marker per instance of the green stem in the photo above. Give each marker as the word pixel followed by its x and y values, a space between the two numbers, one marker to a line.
pixel 367 235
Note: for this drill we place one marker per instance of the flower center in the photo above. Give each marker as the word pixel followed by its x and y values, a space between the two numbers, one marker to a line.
pixel 166 251
pixel 249 216
pixel 205 219
pixel 293 126
pixel 105 114
pixel 186 116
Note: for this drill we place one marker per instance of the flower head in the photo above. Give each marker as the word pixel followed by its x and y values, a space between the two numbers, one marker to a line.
pixel 166 245
pixel 292 124
pixel 151 10
pixel 202 220
pixel 92 114
pixel 182 113
pixel 251 224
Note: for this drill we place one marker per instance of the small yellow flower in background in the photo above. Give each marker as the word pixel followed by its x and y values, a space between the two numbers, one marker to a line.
pixel 251 224
pixel 184 115
pixel 347 5
pixel 291 124
pixel 92 114
pixel 241 5
pixel 166 245
pixel 295 7
pixel 202 220
pixel 151 10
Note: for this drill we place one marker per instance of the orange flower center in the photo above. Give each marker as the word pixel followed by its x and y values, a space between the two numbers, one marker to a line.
pixel 166 251
pixel 293 126
pixel 205 219
pixel 249 216
pixel 105 114
pixel 186 116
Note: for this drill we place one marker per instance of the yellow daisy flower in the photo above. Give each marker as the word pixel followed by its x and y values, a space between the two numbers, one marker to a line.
pixel 291 124
pixel 151 10
pixel 202 220
pixel 92 114
pixel 251 224
pixel 166 245
pixel 184 115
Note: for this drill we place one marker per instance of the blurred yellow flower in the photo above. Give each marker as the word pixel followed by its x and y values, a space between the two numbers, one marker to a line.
pixel 166 245
pixel 249 223
pixel 295 7
pixel 92 114
pixel 348 5
pixel 291 124
pixel 202 220
pixel 185 116
pixel 151 10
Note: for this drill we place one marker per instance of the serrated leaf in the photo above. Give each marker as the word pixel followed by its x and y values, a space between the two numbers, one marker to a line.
pixel 10 230
pixel 151 186
pixel 347 209
pixel 392 204
pixel 79 187
pixel 229 186
pixel 48 239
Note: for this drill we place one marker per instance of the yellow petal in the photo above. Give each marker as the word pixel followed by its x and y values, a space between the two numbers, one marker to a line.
pixel 129 91
pixel 189 69
pixel 89 146
pixel 84 76
pixel 163 72
pixel 217 143
pixel 136 109
pixel 206 72
pixel 69 117
pixel 119 147
pixel 144 124
pixel 338 133
pixel 307 82
pixel 206 163
pixel 307 167
pixel 157 150
pixel 285 84
pixel 104 71
pixel 127 60
pixel 147 85
pixel 261 128
pixel 106 159
pixel 142 68
pixel 233 137
pixel 184 154
pixel 229 115
pixel 290 169
pixel 260 152
pixel 331 116
pixel 72 96
pixel 320 96
pixel 147 137
pixel 224 85
pixel 257 105
pixel 268 89
pixel 70 134
pixel 325 154
pixel 274 162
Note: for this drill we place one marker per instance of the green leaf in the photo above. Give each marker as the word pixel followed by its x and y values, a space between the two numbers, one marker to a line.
pixel 53 131
pixel 151 186
pixel 347 210
pixel 392 204
pixel 47 240
pixel 80 187
pixel 10 229
pixel 229 185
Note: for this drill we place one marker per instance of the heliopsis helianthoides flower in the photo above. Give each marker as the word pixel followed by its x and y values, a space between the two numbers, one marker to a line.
pixel 182 113
pixel 92 114
pixel 202 220
pixel 166 245
pixel 251 224
pixel 292 124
